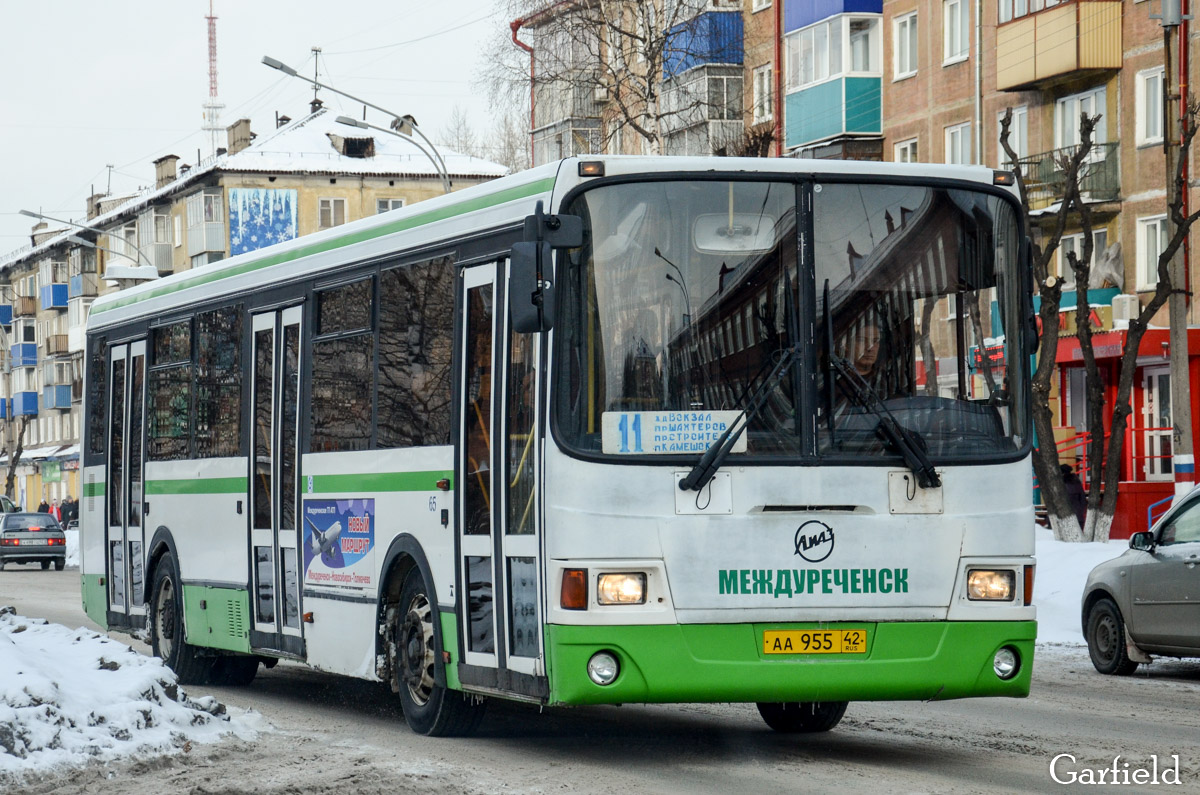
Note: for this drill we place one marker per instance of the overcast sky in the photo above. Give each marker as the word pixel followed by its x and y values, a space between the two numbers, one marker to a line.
pixel 123 82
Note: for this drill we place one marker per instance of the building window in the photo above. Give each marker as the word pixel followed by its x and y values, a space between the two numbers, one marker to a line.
pixel 906 46
pixel 958 144
pixel 1018 135
pixel 1067 112
pixel 332 212
pixel 1151 240
pixel 864 46
pixel 384 205
pixel 1074 244
pixel 957 21
pixel 177 230
pixel 905 151
pixel 764 104
pixel 725 98
pixel 759 5
pixel 1149 99
pixel 1015 9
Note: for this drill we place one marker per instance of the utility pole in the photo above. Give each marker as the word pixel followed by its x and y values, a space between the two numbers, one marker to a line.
pixel 1174 25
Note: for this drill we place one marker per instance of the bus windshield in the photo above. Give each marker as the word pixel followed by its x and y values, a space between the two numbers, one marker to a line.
pixel 687 294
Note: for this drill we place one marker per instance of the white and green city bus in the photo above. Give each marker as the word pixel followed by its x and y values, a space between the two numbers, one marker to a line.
pixel 610 430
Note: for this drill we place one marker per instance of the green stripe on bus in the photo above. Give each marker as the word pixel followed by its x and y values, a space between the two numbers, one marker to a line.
pixel 379 481
pixel 441 214
pixel 93 489
pixel 198 486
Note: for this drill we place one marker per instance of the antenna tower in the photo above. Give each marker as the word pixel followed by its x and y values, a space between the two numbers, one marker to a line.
pixel 212 108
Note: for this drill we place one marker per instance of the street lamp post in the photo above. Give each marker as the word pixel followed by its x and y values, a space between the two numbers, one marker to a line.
pixel 403 125
pixel 80 241
pixel 362 125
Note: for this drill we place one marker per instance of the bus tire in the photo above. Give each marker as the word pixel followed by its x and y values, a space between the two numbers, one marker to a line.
pixel 802 717
pixel 167 628
pixel 233 670
pixel 429 708
pixel 1106 639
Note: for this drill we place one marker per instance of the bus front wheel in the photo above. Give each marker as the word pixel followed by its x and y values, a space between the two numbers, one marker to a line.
pixel 166 626
pixel 429 708
pixel 802 717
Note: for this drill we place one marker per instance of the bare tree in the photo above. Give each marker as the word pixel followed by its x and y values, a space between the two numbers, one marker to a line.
pixel 16 447
pixel 606 60
pixel 508 142
pixel 458 134
pixel 1104 455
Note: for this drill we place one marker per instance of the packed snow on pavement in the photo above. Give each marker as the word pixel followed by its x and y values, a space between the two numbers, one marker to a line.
pixel 71 696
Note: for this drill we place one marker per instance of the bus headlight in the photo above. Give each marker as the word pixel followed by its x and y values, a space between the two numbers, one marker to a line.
pixel 624 588
pixel 990 585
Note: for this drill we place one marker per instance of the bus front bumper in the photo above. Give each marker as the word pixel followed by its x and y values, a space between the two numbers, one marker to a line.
pixel 726 662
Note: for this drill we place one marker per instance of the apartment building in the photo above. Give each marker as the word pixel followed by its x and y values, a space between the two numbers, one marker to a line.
pixel 945 91
pixel 302 177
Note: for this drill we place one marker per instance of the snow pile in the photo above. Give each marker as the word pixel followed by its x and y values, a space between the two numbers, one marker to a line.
pixel 1062 571
pixel 70 696
pixel 72 547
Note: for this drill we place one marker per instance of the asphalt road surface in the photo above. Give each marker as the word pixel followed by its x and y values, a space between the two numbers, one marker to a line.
pixel 337 735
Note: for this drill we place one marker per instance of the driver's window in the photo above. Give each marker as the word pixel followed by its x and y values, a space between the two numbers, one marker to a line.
pixel 1184 528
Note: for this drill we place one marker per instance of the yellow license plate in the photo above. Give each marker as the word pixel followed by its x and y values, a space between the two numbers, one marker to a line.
pixel 815 641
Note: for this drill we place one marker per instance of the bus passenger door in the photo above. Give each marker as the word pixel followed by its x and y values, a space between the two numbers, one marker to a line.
pixel 124 479
pixel 274 474
pixel 499 508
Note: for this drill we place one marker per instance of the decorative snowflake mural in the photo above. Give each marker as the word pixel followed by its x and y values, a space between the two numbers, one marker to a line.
pixel 260 217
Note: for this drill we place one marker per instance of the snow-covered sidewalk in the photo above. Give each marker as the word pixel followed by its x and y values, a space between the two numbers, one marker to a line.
pixel 71 696
pixel 1062 571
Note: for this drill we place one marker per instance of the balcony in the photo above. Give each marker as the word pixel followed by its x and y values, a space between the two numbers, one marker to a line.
pixel 54 296
pixel 56 397
pixel 1099 175
pixel 25 306
pixel 841 106
pixel 58 344
pixel 82 285
pixel 713 37
pixel 1064 42
pixel 6 314
pixel 25 403
pixel 24 354
pixel 77 390
pixel 5 409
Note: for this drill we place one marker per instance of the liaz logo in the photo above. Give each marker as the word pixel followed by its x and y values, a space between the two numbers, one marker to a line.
pixel 814 541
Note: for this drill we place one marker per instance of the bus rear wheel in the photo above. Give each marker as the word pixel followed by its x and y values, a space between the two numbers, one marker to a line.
pixel 429 708
pixel 167 630
pixel 233 670
pixel 802 717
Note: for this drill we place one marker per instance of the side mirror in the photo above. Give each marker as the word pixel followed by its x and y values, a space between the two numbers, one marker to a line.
pixel 1143 541
pixel 530 298
pixel 531 291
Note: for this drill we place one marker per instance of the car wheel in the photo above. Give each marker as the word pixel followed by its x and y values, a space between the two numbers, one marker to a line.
pixel 429 708
pixel 45 565
pixel 167 629
pixel 802 717
pixel 1106 639
pixel 59 565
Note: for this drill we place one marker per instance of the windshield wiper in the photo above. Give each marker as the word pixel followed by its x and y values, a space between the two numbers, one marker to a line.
pixel 719 450
pixel 909 444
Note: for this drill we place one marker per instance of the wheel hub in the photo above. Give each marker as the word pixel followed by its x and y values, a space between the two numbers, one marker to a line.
pixel 415 645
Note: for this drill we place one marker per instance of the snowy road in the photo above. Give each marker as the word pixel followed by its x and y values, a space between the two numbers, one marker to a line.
pixel 337 735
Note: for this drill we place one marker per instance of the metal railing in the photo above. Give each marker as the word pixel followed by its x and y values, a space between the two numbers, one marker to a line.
pixel 1099 175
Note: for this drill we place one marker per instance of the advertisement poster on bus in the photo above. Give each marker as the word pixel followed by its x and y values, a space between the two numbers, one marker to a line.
pixel 339 543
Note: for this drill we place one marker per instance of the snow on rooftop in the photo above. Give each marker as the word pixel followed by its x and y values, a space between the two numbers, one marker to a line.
pixel 71 696
pixel 303 146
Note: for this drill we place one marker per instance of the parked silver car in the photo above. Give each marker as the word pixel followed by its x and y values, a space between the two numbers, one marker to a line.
pixel 1147 601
